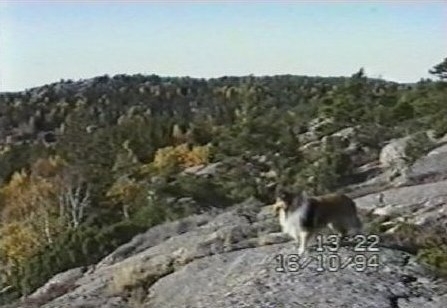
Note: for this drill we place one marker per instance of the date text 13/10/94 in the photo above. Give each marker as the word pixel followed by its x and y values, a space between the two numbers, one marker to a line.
pixel 326 262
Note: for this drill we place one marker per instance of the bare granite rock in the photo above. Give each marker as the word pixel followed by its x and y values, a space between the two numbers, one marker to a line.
pixel 439 150
pixel 407 195
pixel 230 259
pixel 393 153
pixel 422 205
pixel 430 165
pixel 429 168
pixel 253 278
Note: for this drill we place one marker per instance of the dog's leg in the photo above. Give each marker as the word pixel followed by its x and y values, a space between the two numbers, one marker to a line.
pixel 341 229
pixel 354 227
pixel 358 226
pixel 296 240
pixel 304 237
pixel 333 228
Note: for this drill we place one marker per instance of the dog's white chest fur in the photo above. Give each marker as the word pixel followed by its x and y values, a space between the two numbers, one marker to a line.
pixel 290 224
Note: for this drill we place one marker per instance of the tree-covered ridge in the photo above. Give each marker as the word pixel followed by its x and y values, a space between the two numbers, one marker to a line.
pixel 86 165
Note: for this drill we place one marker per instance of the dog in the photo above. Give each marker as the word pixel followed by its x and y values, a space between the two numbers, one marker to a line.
pixel 301 216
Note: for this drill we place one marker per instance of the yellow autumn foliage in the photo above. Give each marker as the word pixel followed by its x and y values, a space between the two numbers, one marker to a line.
pixel 29 211
pixel 181 156
pixel 165 158
pixel 18 242
pixel 197 156
pixel 18 179
pixel 25 195
pixel 124 190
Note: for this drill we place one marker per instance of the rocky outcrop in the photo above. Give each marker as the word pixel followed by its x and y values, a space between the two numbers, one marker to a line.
pixel 393 171
pixel 431 167
pixel 424 205
pixel 393 157
pixel 232 259
pixel 346 140
pixel 394 152
pixel 434 164
pixel 203 170
pixel 57 286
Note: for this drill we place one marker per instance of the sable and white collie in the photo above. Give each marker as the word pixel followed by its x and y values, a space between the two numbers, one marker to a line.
pixel 301 216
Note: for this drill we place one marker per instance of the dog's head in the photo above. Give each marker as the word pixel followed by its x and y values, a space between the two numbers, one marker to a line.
pixel 283 199
pixel 287 200
pixel 278 205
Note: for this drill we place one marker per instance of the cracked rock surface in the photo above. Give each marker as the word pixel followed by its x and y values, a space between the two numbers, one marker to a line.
pixel 230 259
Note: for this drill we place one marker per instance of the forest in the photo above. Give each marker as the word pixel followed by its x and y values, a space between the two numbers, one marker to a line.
pixel 86 165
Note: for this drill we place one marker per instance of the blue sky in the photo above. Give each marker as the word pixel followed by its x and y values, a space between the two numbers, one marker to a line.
pixel 43 42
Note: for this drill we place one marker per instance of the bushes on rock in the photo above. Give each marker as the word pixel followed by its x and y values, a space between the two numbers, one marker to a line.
pixel 417 146
pixel 75 248
pixel 428 243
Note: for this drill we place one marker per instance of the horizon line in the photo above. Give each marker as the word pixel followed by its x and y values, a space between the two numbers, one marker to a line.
pixel 109 75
